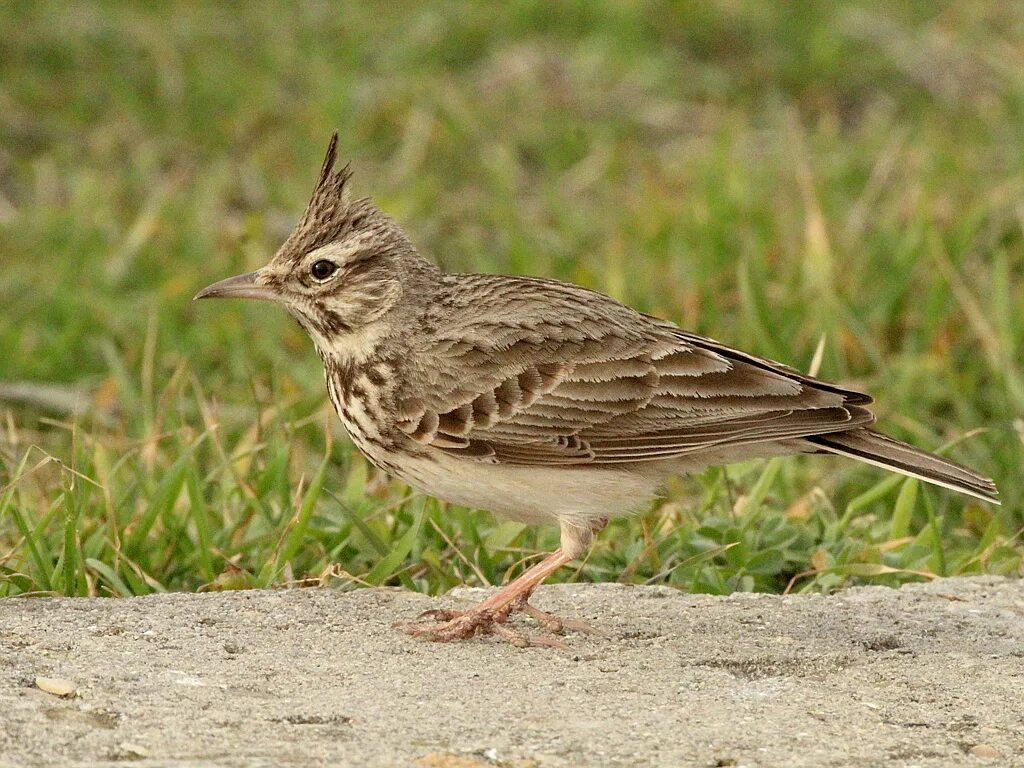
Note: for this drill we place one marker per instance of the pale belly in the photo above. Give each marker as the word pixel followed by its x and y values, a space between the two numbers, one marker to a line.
pixel 532 494
pixel 536 495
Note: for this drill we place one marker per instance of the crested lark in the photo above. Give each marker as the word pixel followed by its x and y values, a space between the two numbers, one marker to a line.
pixel 536 399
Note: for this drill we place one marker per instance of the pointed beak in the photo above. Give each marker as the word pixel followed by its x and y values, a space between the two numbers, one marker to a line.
pixel 238 287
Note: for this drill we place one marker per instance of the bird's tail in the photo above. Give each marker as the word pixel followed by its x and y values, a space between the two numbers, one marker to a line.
pixel 875 448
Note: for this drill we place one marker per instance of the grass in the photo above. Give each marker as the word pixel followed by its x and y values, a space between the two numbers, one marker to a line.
pixel 769 174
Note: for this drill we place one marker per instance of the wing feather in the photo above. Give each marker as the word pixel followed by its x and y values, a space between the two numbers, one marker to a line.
pixel 619 388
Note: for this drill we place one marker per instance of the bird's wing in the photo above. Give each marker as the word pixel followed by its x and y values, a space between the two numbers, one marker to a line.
pixel 610 390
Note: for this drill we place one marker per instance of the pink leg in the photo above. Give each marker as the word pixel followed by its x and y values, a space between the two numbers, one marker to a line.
pixel 493 611
pixel 491 615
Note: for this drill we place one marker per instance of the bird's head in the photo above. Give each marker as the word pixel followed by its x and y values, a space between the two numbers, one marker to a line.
pixel 340 271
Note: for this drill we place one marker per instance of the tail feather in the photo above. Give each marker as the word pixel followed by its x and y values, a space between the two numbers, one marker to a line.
pixel 875 448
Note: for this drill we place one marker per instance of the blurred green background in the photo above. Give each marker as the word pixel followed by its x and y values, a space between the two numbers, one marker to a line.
pixel 771 174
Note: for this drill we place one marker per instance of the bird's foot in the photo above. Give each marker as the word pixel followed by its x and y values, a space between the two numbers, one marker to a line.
pixel 454 625
pixel 491 616
pixel 462 625
pixel 556 625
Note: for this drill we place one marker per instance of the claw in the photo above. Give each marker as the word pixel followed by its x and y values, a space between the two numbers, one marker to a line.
pixel 468 624
pixel 460 625
pixel 441 614
pixel 557 625
pixel 491 616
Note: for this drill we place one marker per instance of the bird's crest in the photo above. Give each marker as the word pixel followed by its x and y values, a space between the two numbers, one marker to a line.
pixel 329 211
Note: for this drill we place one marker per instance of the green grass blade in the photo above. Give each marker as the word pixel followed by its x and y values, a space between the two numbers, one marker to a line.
pixel 164 497
pixel 71 553
pixel 389 564
pixel 296 535
pixel 899 526
pixel 109 575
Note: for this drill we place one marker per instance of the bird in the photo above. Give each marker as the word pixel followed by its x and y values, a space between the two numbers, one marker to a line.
pixel 539 400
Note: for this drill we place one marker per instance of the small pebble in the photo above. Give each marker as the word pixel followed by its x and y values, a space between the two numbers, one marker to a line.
pixel 56 686
pixel 449 760
pixel 985 750
pixel 130 749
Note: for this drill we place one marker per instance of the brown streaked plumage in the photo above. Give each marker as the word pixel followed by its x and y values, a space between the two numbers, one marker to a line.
pixel 537 399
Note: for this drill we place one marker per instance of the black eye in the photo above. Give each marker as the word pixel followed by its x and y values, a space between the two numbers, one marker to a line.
pixel 323 269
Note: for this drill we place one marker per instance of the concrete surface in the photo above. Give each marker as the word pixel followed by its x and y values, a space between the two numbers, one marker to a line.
pixel 929 675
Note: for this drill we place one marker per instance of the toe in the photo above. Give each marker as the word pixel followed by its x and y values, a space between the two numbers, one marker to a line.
pixel 441 614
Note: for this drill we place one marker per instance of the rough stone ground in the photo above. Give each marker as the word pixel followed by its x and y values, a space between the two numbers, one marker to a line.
pixel 928 675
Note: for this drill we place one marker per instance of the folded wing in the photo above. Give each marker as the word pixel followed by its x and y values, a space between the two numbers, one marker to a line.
pixel 552 393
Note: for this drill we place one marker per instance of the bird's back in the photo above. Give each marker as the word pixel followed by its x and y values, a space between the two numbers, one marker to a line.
pixel 526 371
